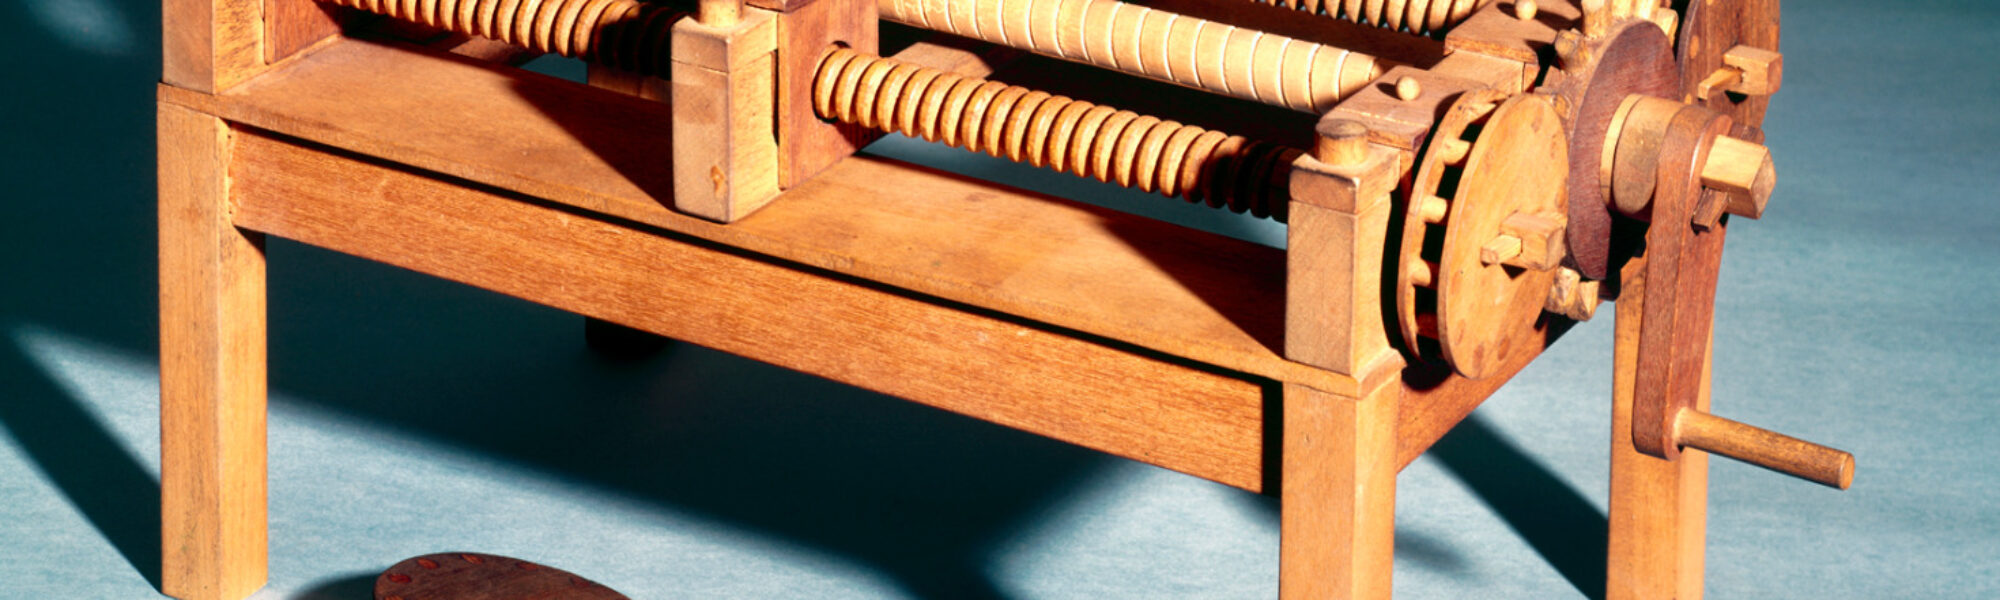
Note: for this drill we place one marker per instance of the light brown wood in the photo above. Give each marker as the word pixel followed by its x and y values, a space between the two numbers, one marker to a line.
pixel 725 152
pixel 1658 508
pixel 1211 299
pixel 1110 397
pixel 1026 125
pixel 1147 42
pixel 1744 172
pixel 212 359
pixel 1764 448
pixel 1337 506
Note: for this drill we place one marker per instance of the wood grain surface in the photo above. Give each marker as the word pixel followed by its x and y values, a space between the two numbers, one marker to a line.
pixel 1110 397
pixel 212 370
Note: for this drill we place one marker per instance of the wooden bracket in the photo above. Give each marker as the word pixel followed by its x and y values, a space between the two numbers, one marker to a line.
pixel 806 30
pixel 724 150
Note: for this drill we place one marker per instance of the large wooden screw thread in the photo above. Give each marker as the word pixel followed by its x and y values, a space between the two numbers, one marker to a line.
pixel 1422 17
pixel 1137 40
pixel 1057 132
pixel 627 34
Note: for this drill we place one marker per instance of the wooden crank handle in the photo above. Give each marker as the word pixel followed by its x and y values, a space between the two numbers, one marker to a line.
pixel 1765 448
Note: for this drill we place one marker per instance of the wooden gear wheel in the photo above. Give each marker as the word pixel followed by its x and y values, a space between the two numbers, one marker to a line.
pixel 1493 163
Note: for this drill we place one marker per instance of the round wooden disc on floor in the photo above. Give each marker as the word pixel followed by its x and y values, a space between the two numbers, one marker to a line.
pixel 1518 167
pixel 473 576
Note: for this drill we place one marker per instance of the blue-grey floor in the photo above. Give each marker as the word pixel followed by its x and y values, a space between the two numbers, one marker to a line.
pixel 410 415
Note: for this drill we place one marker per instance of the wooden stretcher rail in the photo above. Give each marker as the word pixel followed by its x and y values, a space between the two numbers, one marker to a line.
pixel 1163 412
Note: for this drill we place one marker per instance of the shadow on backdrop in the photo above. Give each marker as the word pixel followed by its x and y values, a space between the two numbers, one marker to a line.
pixel 1555 519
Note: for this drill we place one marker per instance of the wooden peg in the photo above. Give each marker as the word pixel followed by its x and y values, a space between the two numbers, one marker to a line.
pixel 1342 142
pixel 1537 242
pixel 1765 448
pixel 1744 172
pixel 1434 209
pixel 1422 273
pixel 1763 71
pixel 1525 10
pixel 1408 89
pixel 1745 70
pixel 1502 248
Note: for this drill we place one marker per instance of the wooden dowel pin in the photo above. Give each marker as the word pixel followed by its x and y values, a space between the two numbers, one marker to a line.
pixel 1765 448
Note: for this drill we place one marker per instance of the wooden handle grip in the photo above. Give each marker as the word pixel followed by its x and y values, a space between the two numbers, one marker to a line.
pixel 1765 448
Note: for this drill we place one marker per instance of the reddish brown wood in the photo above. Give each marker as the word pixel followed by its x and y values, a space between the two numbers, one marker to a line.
pixel 1634 60
pixel 1680 277
pixel 292 26
pixel 474 576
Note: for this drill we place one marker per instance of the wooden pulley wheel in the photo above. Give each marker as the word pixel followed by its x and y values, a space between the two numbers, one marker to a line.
pixel 1709 30
pixel 1500 237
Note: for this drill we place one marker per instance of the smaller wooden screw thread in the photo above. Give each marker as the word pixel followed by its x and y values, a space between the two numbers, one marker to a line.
pixel 1421 17
pixel 1057 132
pixel 628 34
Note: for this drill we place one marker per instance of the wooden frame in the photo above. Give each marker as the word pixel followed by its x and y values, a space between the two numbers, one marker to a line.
pixel 1205 355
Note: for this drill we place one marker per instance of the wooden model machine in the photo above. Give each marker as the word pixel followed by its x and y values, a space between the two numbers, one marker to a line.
pixel 1462 181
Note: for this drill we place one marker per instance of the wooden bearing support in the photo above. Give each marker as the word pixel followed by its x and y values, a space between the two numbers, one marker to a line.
pixel 1450 213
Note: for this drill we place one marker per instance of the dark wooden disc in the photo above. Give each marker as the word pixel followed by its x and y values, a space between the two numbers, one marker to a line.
pixel 474 576
pixel 1635 59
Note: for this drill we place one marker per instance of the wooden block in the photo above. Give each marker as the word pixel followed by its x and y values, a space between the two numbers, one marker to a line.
pixel 1335 242
pixel 1496 30
pixel 724 150
pixel 807 144
pixel 212 360
pixel 1763 71
pixel 211 45
pixel 292 26
pixel 1337 500
pixel 1403 123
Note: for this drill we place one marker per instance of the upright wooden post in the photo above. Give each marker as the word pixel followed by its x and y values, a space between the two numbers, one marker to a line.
pixel 212 359
pixel 1338 478
pixel 1337 505
pixel 1659 508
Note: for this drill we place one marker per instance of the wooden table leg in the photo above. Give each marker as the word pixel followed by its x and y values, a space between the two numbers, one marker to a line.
pixel 212 381
pixel 1338 494
pixel 1659 509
